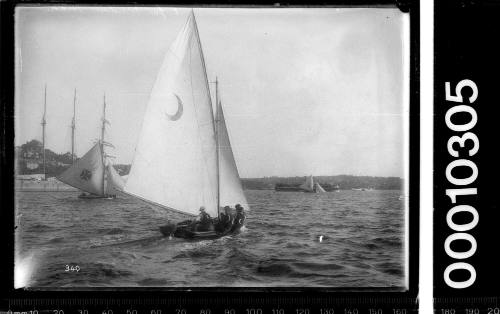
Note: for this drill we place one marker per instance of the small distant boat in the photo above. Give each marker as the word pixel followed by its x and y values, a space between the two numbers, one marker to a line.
pixel 94 173
pixel 363 189
pixel 309 186
pixel 312 187
pixel 318 188
pixel 193 164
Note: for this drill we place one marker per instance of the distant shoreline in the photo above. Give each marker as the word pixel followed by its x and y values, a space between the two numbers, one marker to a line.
pixel 345 183
pixel 29 162
pixel 342 182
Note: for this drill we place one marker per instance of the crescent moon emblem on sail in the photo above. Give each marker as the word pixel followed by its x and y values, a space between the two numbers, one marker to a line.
pixel 178 114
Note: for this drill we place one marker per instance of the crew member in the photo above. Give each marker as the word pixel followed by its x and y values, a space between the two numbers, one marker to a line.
pixel 225 220
pixel 203 216
pixel 239 219
pixel 204 221
pixel 228 215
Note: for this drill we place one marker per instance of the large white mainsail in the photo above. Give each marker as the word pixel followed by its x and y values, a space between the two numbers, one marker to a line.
pixel 86 173
pixel 231 191
pixel 175 162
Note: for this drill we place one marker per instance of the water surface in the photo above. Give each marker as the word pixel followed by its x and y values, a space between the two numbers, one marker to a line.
pixel 116 243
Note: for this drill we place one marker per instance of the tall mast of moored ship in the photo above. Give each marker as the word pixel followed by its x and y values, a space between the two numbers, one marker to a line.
pixel 102 142
pixel 73 126
pixel 217 118
pixel 44 122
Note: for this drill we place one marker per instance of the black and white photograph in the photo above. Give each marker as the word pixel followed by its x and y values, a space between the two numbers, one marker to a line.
pixel 180 147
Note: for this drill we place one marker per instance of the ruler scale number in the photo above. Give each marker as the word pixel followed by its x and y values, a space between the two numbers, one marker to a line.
pixel 460 305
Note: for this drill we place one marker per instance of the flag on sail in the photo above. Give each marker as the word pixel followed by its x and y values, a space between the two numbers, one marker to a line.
pixel 175 163
pixel 86 173
pixel 231 190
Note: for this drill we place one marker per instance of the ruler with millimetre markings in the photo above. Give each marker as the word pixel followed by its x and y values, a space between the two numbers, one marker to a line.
pixel 218 305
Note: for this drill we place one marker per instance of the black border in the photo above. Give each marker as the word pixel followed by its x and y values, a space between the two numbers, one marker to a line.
pixel 21 299
pixel 465 48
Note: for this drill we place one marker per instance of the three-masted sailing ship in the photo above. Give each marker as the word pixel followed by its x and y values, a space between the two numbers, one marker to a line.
pixel 93 173
pixel 183 158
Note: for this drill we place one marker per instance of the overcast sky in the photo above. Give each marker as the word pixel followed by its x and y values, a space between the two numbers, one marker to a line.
pixel 305 91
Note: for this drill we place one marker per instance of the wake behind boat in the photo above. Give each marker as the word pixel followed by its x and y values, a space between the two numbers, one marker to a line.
pixel 193 164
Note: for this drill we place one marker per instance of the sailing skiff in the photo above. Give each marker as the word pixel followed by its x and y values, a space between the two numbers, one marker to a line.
pixel 183 158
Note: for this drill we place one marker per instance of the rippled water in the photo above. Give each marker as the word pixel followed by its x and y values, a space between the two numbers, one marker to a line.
pixel 117 243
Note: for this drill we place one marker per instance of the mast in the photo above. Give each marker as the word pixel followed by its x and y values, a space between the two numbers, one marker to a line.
pixel 195 29
pixel 44 122
pixel 73 125
pixel 157 181
pixel 102 142
pixel 217 121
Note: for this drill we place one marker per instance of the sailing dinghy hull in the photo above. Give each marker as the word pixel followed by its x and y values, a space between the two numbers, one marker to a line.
pixel 92 196
pixel 185 230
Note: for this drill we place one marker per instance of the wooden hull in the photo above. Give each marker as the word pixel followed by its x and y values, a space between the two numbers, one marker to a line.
pixel 93 196
pixel 185 230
